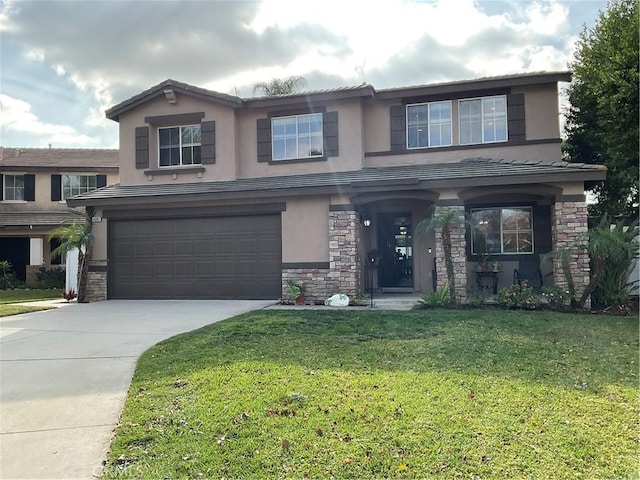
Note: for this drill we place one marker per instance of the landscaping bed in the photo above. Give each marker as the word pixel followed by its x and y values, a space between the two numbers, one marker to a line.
pixel 362 394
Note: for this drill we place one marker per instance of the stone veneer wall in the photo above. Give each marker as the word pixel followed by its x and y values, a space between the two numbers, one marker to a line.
pixel 343 274
pixel 458 252
pixel 344 258
pixel 314 279
pixel 568 227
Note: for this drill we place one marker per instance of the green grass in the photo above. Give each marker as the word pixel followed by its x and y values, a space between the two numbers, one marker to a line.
pixel 15 296
pixel 6 310
pixel 360 394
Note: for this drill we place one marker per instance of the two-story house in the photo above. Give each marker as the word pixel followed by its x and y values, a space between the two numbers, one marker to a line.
pixel 225 197
pixel 35 184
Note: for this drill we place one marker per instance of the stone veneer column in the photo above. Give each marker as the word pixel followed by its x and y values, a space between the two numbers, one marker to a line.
pixel 344 260
pixel 314 279
pixel 96 281
pixel 458 253
pixel 568 227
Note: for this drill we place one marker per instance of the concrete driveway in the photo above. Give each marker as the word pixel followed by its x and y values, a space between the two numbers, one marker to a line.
pixel 64 376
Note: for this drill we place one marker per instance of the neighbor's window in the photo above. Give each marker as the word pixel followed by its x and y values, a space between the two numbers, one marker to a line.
pixel 76 184
pixel 429 125
pixel 179 145
pixel 502 230
pixel 298 136
pixel 13 187
pixel 483 120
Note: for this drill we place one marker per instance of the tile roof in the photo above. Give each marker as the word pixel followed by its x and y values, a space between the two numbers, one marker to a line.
pixel 469 172
pixel 23 219
pixel 59 157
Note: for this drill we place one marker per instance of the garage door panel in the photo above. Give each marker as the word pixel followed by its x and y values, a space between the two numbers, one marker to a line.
pixel 217 257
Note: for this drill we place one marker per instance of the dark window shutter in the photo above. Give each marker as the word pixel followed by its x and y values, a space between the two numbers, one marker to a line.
pixel 264 139
pixel 515 117
pixel 101 181
pixel 56 188
pixel 398 127
pixel 330 133
pixel 142 147
pixel 29 187
pixel 1 187
pixel 208 142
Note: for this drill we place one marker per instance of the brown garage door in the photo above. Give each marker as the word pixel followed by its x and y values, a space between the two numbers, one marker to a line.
pixel 190 258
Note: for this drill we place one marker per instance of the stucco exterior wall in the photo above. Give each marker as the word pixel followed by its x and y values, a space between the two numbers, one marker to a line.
pixel 305 230
pixel 541 111
pixel 223 169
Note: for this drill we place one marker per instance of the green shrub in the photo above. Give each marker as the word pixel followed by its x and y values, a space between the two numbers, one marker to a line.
pixel 519 296
pixel 54 277
pixel 477 299
pixel 557 298
pixel 8 278
pixel 439 298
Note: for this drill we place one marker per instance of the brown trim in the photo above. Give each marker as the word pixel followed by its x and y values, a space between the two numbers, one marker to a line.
pixel 474 85
pixel 298 160
pixel 571 198
pixel 174 170
pixel 385 183
pixel 98 268
pixel 452 148
pixel 59 168
pixel 346 207
pixel 449 203
pixel 438 97
pixel 175 119
pixel 297 111
pixel 181 212
pixel 305 265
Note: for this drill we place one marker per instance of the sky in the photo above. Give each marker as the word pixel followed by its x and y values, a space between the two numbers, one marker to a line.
pixel 63 63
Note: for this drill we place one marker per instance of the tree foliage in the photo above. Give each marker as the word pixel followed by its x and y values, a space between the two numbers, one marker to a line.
pixel 77 235
pixel 602 122
pixel 280 86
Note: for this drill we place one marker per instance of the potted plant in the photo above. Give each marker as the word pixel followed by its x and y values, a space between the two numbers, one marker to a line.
pixel 296 291
pixel 483 263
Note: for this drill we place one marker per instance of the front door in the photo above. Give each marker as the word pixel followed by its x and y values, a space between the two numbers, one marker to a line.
pixel 395 246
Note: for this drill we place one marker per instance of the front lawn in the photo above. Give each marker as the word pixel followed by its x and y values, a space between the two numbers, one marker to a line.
pixel 32 295
pixel 361 394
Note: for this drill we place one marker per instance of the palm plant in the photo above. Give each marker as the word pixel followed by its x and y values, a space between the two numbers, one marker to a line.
pixel 444 222
pixel 77 235
pixel 280 86
pixel 614 253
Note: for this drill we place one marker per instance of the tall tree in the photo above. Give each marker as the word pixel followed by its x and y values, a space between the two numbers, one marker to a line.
pixel 602 122
pixel 77 235
pixel 280 86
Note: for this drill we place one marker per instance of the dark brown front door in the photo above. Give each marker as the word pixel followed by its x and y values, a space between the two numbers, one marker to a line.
pixel 190 258
pixel 395 244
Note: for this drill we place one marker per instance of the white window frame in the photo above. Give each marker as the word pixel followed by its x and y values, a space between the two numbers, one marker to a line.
pixel 502 230
pixel 429 124
pixel 4 187
pixel 483 116
pixel 181 146
pixel 297 136
pixel 63 196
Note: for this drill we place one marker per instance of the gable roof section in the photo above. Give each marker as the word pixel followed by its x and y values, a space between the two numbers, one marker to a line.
pixel 466 173
pixel 229 100
pixel 57 159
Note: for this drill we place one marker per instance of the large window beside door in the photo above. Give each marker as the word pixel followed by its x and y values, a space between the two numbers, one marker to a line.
pixel 502 230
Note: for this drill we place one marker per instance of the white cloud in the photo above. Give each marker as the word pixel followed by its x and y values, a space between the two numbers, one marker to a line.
pixel 16 115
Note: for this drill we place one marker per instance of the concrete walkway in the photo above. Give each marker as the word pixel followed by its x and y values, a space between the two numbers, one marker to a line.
pixel 64 376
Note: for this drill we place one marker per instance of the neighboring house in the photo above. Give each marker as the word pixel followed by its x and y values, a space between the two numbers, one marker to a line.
pixel 35 185
pixel 224 197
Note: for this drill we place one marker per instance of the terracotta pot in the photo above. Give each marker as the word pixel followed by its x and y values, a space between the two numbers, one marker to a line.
pixel 300 300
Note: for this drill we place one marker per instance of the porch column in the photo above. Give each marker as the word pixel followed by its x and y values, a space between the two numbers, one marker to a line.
pixel 568 227
pixel 344 241
pixel 458 253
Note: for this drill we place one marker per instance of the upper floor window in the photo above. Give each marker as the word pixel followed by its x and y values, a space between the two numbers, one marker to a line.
pixel 179 145
pixel 13 188
pixel 297 136
pixel 483 120
pixel 502 230
pixel 76 184
pixel 429 125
